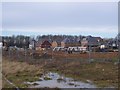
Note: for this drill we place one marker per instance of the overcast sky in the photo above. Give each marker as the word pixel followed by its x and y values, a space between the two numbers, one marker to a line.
pixel 75 18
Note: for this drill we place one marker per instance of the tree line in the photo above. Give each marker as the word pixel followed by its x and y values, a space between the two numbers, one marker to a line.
pixel 23 41
pixel 18 41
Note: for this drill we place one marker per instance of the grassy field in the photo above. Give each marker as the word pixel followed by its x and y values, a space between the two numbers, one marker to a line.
pixel 101 74
pixel 19 72
pixel 103 71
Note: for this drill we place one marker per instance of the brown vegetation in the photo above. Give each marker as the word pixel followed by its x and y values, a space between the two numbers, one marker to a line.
pixel 78 66
pixel 19 72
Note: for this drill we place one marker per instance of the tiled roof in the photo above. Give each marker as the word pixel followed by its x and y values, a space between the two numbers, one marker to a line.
pixel 70 40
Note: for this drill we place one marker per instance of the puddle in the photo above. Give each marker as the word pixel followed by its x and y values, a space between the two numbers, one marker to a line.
pixel 54 80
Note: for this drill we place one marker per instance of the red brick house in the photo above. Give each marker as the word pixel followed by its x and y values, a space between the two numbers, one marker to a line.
pixel 46 44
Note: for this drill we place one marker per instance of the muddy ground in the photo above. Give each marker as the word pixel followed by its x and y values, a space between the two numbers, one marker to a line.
pixel 100 68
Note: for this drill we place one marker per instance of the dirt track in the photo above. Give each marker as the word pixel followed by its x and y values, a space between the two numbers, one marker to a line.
pixel 94 55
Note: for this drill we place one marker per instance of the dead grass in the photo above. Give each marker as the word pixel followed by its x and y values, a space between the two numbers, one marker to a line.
pixel 12 67
pixel 19 72
pixel 103 74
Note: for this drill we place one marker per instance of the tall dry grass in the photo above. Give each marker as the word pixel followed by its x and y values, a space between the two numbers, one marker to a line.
pixel 19 72
pixel 11 67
